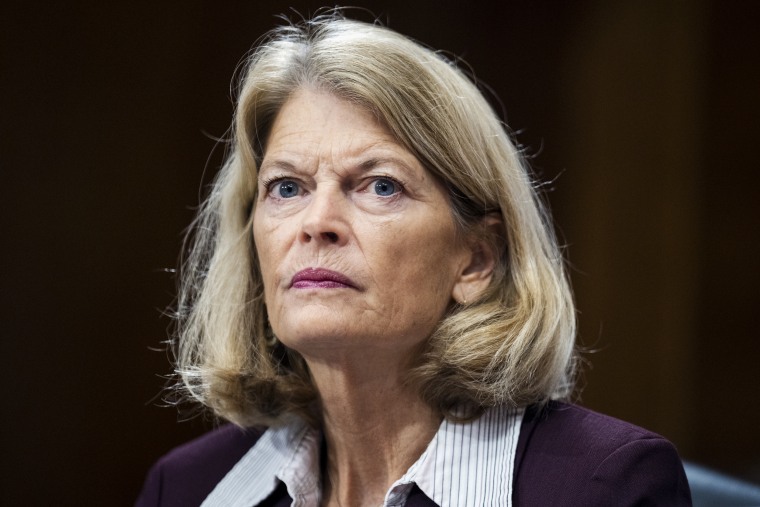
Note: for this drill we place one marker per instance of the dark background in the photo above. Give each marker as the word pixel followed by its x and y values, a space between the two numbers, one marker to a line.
pixel 642 114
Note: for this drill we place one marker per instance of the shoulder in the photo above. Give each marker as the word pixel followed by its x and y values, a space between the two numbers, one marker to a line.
pixel 577 429
pixel 570 454
pixel 187 474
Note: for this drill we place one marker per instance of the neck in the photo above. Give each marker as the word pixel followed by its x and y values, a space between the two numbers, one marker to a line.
pixel 375 429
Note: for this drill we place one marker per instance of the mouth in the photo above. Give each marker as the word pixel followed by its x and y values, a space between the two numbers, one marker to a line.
pixel 311 278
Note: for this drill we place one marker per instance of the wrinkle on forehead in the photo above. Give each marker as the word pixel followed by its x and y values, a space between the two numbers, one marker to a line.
pixel 297 139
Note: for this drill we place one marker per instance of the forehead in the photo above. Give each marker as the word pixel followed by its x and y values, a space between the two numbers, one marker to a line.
pixel 318 126
pixel 317 111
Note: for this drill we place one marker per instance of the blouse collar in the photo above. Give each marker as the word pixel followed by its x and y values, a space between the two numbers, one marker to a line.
pixel 464 464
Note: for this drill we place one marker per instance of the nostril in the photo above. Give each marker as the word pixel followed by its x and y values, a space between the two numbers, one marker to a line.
pixel 331 236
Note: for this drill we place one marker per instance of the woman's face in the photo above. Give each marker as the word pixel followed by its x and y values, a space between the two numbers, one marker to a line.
pixel 356 241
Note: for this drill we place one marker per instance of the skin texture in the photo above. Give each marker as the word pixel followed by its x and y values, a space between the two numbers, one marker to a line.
pixel 338 192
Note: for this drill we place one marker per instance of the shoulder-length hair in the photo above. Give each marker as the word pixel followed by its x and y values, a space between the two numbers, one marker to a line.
pixel 514 345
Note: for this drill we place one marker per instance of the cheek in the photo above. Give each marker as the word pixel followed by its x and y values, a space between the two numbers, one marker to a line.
pixel 419 259
pixel 267 237
pixel 265 243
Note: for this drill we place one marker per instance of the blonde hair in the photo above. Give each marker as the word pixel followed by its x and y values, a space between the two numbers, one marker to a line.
pixel 514 345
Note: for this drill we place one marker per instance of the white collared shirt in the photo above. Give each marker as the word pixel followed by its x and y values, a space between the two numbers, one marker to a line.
pixel 466 464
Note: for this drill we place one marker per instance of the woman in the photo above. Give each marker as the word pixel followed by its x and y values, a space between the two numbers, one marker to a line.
pixel 373 279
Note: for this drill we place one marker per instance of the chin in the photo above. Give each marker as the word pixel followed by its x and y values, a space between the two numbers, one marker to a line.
pixel 322 328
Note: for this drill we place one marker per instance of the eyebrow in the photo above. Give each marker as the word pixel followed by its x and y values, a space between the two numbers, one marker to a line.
pixel 363 166
pixel 366 165
pixel 275 164
pixel 376 161
pixel 373 162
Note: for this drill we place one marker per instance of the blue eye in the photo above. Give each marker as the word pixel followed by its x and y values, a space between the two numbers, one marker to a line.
pixel 287 188
pixel 385 187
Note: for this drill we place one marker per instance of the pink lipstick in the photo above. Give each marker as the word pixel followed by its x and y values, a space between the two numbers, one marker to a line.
pixel 311 278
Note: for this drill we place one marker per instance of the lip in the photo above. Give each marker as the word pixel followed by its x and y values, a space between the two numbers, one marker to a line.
pixel 320 278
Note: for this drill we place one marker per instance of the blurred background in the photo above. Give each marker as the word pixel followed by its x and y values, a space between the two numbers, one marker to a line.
pixel 643 116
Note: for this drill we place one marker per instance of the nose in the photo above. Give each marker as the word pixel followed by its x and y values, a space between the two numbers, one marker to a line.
pixel 326 219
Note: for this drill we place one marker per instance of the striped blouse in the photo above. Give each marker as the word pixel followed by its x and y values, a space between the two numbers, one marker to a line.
pixel 465 464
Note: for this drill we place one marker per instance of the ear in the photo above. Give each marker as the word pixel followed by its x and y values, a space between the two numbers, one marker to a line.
pixel 477 271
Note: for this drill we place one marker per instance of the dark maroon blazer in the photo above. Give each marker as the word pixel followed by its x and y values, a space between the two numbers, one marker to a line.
pixel 566 456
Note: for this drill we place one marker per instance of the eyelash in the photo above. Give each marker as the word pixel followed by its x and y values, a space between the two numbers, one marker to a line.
pixel 396 182
pixel 269 183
